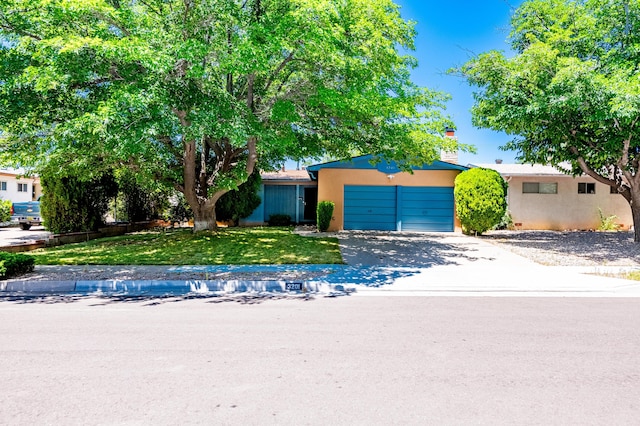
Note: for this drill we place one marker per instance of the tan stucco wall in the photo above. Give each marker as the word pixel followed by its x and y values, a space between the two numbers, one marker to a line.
pixel 567 209
pixel 331 184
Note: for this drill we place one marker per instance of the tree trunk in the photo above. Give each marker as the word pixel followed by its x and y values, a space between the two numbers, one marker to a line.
pixel 204 219
pixel 635 212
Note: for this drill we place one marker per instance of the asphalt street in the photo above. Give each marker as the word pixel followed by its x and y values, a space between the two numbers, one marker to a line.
pixel 347 360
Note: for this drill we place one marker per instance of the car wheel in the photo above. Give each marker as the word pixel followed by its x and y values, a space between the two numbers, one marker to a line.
pixel 25 226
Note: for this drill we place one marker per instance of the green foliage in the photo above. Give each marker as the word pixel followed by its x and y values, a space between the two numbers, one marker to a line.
pixel 191 94
pixel 141 200
pixel 480 196
pixel 12 264
pixel 5 211
pixel 506 222
pixel 72 204
pixel 240 203
pixel 608 223
pixel 324 213
pixel 279 220
pixel 570 95
pixel 228 246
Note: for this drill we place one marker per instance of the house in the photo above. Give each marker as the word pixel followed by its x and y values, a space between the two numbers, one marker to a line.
pixel 16 187
pixel 288 192
pixel 372 195
pixel 542 197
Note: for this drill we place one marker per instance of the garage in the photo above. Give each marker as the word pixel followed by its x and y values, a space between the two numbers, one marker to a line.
pixel 370 193
pixel 398 208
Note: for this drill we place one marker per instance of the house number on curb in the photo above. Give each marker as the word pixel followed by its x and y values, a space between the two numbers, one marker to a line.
pixel 293 286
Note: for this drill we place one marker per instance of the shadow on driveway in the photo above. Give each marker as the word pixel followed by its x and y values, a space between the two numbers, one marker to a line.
pixel 423 250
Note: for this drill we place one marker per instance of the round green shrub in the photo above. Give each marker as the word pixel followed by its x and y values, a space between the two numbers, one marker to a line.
pixel 480 196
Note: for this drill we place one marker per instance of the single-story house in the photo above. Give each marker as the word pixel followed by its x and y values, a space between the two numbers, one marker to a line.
pixel 289 192
pixel 379 196
pixel 542 197
pixel 17 187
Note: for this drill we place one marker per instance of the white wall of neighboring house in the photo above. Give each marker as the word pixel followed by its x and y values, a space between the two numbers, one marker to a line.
pixel 570 207
pixel 18 188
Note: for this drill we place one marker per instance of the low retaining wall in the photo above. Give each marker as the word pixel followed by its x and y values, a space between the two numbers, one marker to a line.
pixel 79 237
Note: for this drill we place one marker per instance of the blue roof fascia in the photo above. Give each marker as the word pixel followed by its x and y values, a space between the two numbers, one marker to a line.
pixel 364 162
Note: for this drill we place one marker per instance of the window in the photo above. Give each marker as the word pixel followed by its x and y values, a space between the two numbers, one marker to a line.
pixel 23 187
pixel 539 188
pixel 3 186
pixel 613 190
pixel 586 188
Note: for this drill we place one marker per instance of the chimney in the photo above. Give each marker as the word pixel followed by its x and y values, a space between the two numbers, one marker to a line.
pixel 498 161
pixel 449 157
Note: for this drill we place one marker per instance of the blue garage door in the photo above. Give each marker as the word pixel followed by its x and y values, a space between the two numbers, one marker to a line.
pixel 370 207
pixel 426 208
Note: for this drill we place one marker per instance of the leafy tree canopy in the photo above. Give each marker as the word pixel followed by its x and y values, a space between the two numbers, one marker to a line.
pixel 571 94
pixel 195 93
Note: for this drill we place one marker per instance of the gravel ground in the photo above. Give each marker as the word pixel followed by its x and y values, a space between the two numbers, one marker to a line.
pixel 99 273
pixel 570 248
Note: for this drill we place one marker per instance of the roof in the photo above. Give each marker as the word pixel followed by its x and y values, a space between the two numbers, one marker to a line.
pixel 364 162
pixel 522 169
pixel 286 175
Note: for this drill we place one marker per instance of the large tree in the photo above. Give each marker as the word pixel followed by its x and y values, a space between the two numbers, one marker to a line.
pixel 571 93
pixel 196 92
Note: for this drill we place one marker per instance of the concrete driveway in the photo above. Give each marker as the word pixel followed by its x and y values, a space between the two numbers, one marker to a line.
pixel 448 264
pixel 14 235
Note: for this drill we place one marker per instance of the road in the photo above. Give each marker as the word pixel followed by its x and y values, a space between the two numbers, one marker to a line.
pixel 15 235
pixel 348 360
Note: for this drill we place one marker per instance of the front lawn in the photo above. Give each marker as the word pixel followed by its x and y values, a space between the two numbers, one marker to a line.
pixel 183 247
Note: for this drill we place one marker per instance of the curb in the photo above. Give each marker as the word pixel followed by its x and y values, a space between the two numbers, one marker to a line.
pixel 169 287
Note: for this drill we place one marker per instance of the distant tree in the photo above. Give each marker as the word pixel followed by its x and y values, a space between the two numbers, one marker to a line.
pixel 240 203
pixel 571 94
pixel 480 196
pixel 73 204
pixel 195 93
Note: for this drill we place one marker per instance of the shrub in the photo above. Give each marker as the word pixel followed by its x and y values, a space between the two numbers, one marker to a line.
pixel 140 200
pixel 279 220
pixel 608 223
pixel 324 213
pixel 240 203
pixel 480 196
pixel 72 204
pixel 15 264
pixel 5 211
pixel 506 222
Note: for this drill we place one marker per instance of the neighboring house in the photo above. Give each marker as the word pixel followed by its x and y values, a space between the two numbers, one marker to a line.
pixel 18 188
pixel 290 192
pixel 542 197
pixel 381 197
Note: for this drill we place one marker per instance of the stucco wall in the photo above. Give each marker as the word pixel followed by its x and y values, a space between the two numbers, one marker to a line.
pixel 12 194
pixel 331 184
pixel 567 209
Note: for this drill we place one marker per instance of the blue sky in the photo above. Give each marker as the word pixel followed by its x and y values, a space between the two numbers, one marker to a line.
pixel 449 33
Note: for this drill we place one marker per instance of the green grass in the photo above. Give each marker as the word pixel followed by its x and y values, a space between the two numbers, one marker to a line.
pixel 633 276
pixel 183 247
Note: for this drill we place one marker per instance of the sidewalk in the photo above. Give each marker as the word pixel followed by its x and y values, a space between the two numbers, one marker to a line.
pixel 379 264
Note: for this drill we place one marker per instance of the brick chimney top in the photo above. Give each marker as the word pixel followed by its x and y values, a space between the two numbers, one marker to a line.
pixel 449 132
